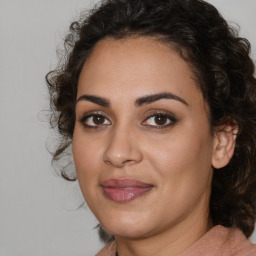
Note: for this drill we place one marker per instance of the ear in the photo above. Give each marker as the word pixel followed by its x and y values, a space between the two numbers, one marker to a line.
pixel 224 144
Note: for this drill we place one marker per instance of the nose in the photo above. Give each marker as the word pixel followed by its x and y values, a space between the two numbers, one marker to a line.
pixel 122 149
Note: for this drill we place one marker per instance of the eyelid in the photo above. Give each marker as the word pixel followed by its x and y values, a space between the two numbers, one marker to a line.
pixel 152 113
pixel 167 114
pixel 92 114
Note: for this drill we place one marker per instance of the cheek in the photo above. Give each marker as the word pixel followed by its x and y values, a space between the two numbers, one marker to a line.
pixel 86 157
pixel 86 153
pixel 86 150
pixel 184 159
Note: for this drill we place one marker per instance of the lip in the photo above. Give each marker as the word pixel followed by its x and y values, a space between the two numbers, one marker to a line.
pixel 124 190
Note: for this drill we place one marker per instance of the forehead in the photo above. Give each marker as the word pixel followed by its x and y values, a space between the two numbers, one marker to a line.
pixel 133 67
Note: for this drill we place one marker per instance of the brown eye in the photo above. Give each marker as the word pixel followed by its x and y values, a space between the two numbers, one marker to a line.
pixel 98 120
pixel 94 121
pixel 160 119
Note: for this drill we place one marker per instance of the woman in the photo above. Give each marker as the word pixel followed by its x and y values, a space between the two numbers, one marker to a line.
pixel 158 101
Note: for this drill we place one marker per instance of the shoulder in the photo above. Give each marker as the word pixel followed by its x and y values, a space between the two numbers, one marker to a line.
pixel 108 250
pixel 248 250
pixel 238 244
pixel 245 248
pixel 222 241
pixel 219 241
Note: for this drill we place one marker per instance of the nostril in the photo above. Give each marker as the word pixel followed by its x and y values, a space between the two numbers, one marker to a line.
pixel 128 162
pixel 119 163
pixel 107 162
pixel 120 152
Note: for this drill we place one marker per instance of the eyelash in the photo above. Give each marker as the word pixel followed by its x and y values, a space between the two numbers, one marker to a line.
pixel 169 118
pixel 86 117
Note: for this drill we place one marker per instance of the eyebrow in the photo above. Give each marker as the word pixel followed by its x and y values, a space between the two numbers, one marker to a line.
pixel 139 102
pixel 159 96
pixel 94 99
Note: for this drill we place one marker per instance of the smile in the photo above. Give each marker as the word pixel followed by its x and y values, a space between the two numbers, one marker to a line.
pixel 124 190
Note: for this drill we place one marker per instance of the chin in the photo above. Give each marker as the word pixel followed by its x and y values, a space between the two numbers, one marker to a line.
pixel 126 232
pixel 126 226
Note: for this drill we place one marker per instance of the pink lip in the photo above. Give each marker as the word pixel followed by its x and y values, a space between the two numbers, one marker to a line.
pixel 124 190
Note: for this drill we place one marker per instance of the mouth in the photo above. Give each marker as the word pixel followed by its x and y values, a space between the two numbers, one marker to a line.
pixel 124 190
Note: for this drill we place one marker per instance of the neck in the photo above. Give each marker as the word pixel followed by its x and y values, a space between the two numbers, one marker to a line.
pixel 171 241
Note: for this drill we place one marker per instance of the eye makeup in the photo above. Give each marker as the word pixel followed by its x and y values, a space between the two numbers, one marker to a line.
pixel 155 119
pixel 95 120
pixel 159 119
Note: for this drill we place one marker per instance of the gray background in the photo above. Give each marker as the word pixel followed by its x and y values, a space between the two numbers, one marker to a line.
pixel 38 215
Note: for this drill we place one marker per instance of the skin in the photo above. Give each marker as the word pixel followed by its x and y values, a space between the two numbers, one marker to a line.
pixel 176 159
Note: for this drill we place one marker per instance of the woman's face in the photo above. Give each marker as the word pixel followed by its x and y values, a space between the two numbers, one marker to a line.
pixel 142 144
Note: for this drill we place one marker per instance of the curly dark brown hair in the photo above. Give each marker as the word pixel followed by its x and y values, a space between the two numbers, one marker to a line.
pixel 220 61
